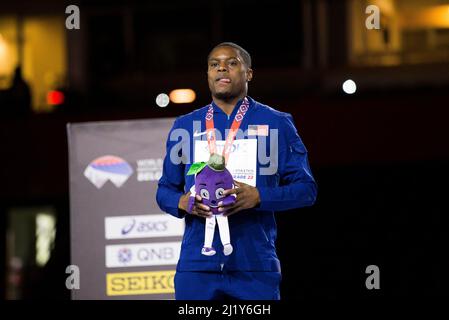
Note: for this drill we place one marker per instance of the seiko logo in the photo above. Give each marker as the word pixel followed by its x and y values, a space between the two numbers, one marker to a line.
pixel 134 283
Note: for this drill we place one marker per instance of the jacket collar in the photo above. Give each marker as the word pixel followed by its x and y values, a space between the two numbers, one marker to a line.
pixel 217 109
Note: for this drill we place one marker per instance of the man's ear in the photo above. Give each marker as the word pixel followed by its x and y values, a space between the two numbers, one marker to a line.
pixel 249 74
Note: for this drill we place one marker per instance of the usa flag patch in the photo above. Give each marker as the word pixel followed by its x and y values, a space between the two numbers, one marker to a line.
pixel 258 130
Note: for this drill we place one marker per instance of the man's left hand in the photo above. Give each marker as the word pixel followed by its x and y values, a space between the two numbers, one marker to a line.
pixel 247 197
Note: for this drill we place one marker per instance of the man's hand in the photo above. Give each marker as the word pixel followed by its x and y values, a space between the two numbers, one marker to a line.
pixel 247 197
pixel 199 209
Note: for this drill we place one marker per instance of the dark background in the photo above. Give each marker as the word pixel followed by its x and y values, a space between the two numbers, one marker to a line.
pixel 380 156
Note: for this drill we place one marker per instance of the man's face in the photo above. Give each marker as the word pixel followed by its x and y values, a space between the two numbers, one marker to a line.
pixel 227 74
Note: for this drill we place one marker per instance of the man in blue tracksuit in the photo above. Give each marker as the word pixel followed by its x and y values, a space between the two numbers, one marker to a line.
pixel 283 182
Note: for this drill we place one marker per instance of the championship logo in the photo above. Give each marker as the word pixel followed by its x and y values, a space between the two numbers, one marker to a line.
pixel 107 168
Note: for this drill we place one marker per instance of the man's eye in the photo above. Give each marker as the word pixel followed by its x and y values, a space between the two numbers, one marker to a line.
pixel 214 64
pixel 233 63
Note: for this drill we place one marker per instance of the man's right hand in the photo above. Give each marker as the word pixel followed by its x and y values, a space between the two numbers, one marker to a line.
pixel 199 209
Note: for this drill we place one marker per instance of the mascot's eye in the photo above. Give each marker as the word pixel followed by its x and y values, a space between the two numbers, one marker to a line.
pixel 204 194
pixel 219 193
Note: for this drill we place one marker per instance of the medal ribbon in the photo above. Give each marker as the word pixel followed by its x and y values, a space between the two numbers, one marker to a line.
pixel 210 129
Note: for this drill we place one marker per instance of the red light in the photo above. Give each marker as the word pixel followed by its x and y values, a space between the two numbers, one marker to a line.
pixel 55 97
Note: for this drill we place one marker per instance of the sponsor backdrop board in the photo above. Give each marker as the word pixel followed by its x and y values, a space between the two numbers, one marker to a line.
pixel 124 246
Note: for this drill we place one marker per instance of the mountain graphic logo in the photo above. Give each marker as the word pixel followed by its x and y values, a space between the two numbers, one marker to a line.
pixel 105 168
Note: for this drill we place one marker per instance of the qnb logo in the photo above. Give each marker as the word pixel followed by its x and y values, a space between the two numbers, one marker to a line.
pixel 107 168
pixel 124 255
pixel 145 226
pixel 145 254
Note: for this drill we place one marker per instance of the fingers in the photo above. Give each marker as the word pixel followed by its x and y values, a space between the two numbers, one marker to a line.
pixel 232 210
pixel 201 213
pixel 232 191
pixel 200 209
pixel 241 184
pixel 239 203
pixel 221 204
pixel 222 207
pixel 240 188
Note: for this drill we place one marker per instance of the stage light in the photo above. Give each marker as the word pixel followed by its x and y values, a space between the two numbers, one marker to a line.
pixel 45 237
pixel 55 98
pixel 182 96
pixel 2 47
pixel 5 60
pixel 162 100
pixel 349 86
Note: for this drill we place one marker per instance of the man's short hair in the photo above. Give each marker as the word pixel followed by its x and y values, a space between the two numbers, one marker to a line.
pixel 245 55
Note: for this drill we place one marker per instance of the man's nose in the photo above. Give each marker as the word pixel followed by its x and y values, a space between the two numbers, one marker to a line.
pixel 222 67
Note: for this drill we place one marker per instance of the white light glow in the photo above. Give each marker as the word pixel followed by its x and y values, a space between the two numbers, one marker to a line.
pixel 45 237
pixel 162 100
pixel 349 86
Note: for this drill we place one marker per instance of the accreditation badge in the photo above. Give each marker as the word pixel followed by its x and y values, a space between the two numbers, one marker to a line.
pixel 242 162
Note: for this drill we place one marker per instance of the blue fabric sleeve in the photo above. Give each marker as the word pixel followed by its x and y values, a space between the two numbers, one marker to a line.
pixel 297 187
pixel 171 183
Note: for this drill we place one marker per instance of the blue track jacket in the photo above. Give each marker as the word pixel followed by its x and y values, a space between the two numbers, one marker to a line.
pixel 253 231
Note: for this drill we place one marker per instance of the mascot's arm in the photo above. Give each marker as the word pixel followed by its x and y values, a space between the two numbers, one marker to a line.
pixel 191 199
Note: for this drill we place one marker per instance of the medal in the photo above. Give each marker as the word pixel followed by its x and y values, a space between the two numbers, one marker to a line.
pixel 210 129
